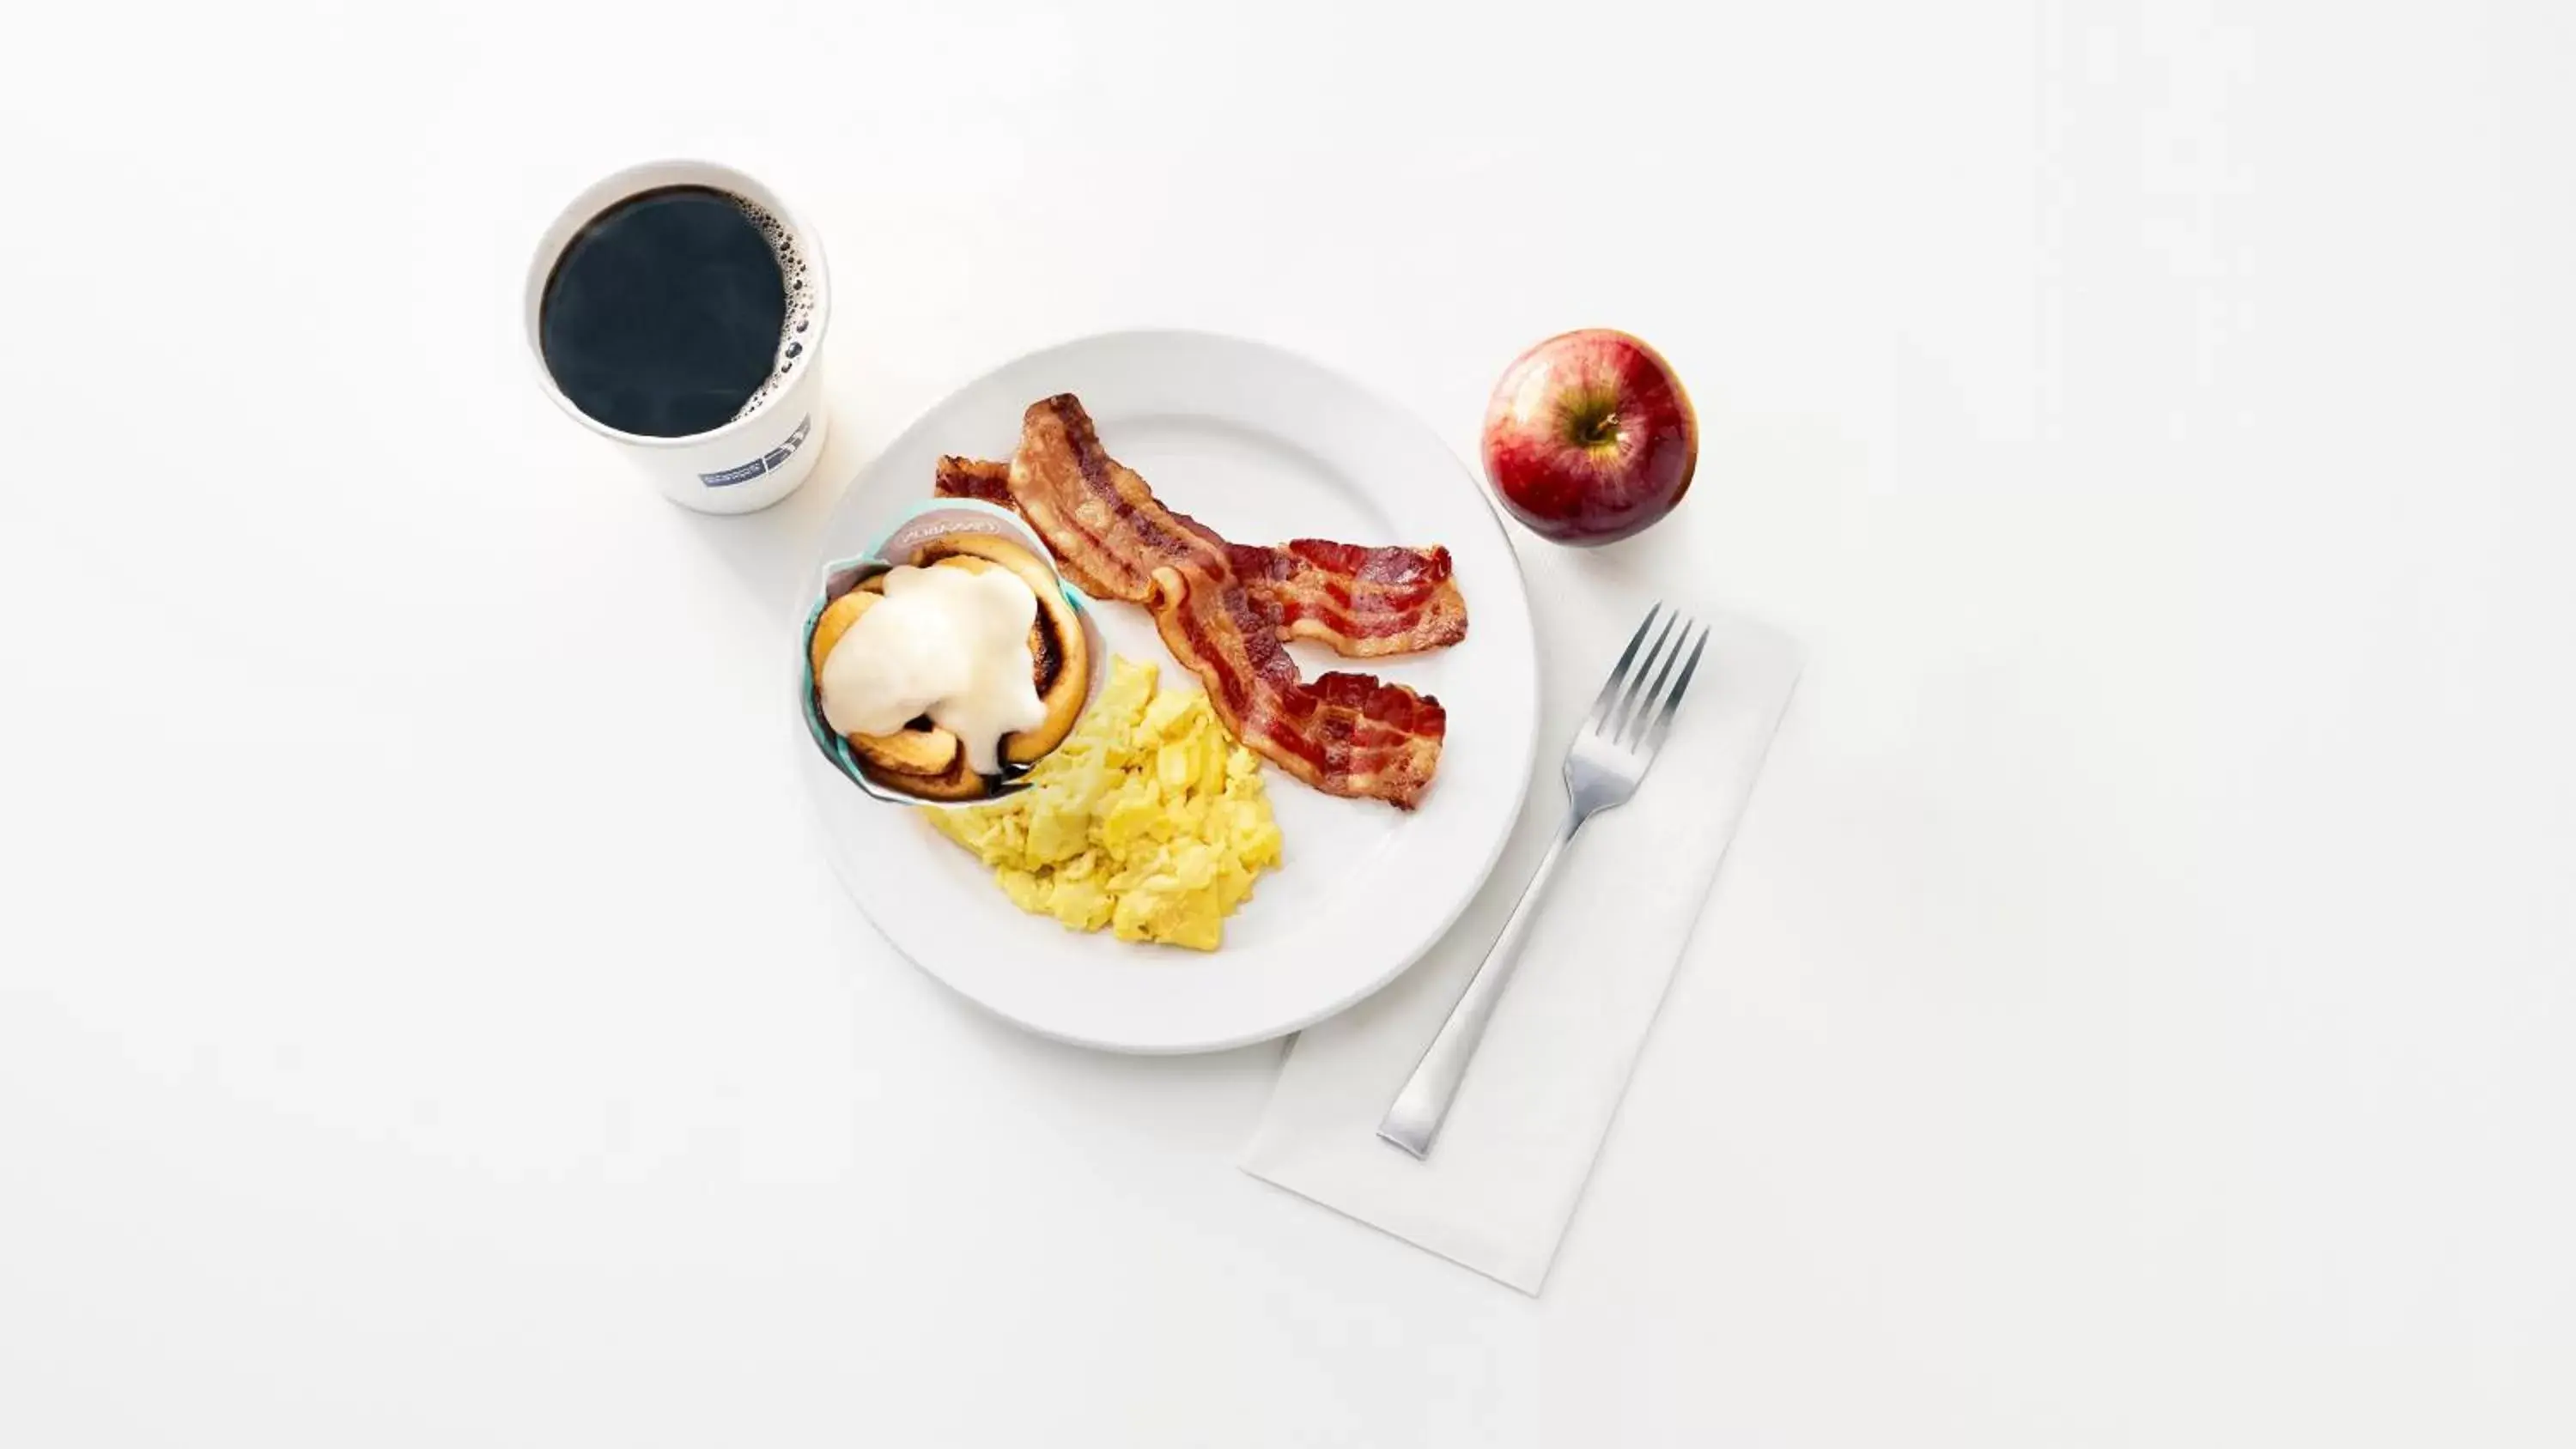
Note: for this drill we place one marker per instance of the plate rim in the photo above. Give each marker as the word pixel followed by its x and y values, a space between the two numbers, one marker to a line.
pixel 1530 706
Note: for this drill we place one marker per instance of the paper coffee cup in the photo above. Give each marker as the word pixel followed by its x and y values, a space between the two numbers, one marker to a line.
pixel 759 456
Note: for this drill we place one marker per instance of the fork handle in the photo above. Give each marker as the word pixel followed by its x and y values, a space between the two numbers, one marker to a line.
pixel 1419 1109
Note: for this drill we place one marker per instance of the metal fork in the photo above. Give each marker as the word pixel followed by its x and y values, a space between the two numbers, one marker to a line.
pixel 1608 758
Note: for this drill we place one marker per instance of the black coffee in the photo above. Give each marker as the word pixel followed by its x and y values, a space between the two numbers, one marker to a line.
pixel 674 311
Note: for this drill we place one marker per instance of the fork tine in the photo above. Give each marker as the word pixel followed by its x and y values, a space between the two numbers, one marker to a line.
pixel 1673 701
pixel 1632 730
pixel 1637 697
pixel 1619 671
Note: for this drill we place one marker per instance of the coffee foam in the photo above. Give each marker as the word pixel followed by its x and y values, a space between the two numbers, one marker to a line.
pixel 802 293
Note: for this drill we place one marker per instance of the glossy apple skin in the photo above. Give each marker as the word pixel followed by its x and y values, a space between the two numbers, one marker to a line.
pixel 1590 438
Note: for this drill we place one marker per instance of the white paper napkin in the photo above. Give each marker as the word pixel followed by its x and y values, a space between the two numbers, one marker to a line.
pixel 1503 1178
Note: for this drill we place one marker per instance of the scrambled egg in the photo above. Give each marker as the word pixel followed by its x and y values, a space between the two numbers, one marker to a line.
pixel 1149 821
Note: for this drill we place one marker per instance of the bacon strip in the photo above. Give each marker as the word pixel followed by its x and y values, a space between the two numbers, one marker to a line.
pixel 1362 603
pixel 1344 734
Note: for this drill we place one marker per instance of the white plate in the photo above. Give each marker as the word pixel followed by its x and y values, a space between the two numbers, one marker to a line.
pixel 1263 445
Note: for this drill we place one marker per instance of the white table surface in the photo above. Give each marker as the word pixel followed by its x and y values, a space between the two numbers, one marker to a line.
pixel 2136 1012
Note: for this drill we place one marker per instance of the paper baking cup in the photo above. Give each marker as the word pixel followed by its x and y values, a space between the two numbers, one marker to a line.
pixel 937 519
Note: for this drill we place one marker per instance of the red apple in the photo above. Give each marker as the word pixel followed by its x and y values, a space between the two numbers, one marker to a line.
pixel 1590 437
